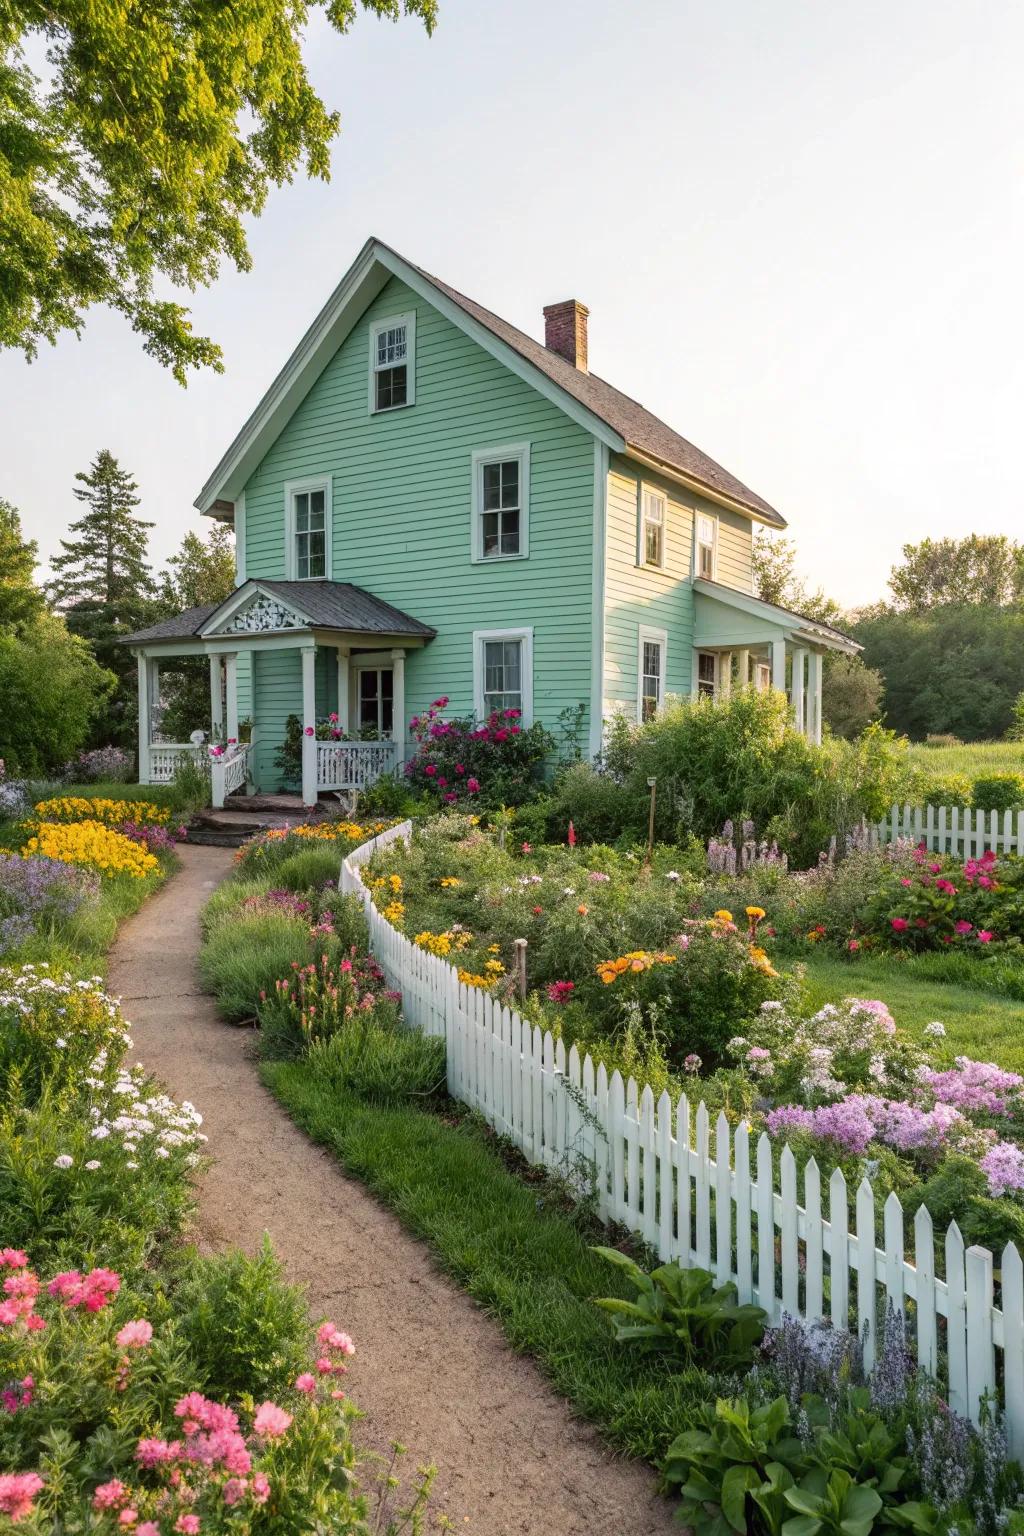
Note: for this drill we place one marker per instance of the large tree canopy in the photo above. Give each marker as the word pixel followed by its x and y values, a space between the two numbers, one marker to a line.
pixel 981 568
pixel 159 129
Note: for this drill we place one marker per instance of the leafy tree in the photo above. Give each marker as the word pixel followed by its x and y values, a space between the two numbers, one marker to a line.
pixel 777 581
pixel 1016 731
pixel 51 691
pixel 103 584
pixel 21 601
pixel 981 568
pixel 951 669
pixel 158 134
pixel 201 572
pixel 851 694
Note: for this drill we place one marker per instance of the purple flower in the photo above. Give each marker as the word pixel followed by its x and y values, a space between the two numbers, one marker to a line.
pixel 1003 1166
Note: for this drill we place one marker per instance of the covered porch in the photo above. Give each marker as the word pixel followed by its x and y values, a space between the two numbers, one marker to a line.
pixel 317 650
pixel 740 641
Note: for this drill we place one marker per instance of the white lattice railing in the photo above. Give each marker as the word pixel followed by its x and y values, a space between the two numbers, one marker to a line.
pixel 163 759
pixel 704 1192
pixel 352 764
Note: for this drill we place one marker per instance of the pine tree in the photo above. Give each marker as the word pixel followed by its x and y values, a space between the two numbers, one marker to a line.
pixel 103 584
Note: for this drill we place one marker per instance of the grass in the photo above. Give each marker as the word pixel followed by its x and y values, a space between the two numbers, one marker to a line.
pixel 972 758
pixel 509 1244
pixel 919 989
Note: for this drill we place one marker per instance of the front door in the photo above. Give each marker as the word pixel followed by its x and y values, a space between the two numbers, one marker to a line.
pixel 375 703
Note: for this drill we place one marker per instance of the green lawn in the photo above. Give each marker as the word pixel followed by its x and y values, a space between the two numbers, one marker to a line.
pixel 972 758
pixel 979 1022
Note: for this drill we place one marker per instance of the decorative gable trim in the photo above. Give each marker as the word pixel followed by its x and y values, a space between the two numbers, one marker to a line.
pixel 372 269
pixel 253 610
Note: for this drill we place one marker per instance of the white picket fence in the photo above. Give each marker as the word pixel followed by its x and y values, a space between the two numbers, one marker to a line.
pixel 951 829
pixel 688 1190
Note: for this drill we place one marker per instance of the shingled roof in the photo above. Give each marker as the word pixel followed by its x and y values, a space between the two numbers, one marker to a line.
pixel 642 430
pixel 326 604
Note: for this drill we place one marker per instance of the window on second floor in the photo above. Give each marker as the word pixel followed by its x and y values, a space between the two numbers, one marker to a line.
pixel 653 508
pixel 501 494
pixel 393 363
pixel 308 529
pixel 705 558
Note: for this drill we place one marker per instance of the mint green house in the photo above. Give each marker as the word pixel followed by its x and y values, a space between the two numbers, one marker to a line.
pixel 428 501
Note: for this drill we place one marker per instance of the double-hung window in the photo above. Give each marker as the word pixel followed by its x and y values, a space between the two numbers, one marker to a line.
pixel 653 507
pixel 652 652
pixel 705 559
pixel 376 692
pixel 707 674
pixel 501 503
pixel 308 525
pixel 503 672
pixel 392 363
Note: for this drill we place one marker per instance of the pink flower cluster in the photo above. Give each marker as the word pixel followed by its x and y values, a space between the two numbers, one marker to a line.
pixel 561 991
pixel 1003 1166
pixel 91 1291
pixel 974 1085
pixel 17 1490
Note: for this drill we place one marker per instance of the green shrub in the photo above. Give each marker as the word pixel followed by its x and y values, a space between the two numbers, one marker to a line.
pixel 945 789
pixel 600 808
pixel 681 1312
pixel 247 1329
pixel 385 1065
pixel 245 956
pixel 999 792
pixel 310 869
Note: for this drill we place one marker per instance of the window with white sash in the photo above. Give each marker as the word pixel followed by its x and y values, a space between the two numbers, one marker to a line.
pixel 501 503
pixel 392 363
pixel 308 529
pixel 653 518
pixel 503 673
pixel 707 673
pixel 707 533
pixel 652 653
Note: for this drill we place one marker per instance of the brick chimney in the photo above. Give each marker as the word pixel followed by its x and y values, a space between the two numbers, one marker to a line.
pixel 565 331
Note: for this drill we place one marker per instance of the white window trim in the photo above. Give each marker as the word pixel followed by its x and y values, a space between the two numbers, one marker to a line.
pixel 716 658
pixel 648 636
pixel 645 489
pixel 293 488
pixel 713 520
pixel 526 636
pixel 482 456
pixel 409 321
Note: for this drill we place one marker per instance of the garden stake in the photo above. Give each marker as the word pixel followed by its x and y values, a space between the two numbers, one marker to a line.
pixel 520 966
pixel 653 785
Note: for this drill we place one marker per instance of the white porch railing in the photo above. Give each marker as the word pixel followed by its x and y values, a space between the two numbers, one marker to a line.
pixel 704 1192
pixel 163 759
pixel 352 764
pixel 228 773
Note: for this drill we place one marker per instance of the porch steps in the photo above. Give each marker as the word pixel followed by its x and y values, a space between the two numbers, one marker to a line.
pixel 245 815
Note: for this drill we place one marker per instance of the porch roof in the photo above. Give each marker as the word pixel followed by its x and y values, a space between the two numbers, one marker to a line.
pixel 725 616
pixel 334 605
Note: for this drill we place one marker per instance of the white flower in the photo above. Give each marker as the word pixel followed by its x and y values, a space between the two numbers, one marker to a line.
pixel 937 1030
pixel 64 1161
pixel 131 1165
pixel 92 1164
pixel 162 1152
pixel 736 1043
pixel 673 874
pixel 61 1044
pixel 99 1132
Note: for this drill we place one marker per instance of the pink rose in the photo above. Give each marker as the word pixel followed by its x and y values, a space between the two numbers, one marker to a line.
pixel 899 924
pixel 135 1335
pixel 271 1420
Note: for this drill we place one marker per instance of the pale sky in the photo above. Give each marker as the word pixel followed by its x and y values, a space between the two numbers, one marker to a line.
pixel 797 225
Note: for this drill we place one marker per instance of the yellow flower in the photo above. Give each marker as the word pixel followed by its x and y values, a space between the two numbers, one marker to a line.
pixel 112 813
pixel 433 943
pixel 723 916
pixel 394 912
pixel 756 912
pixel 495 966
pixel 92 843
pixel 494 949
pixel 759 960
pixel 448 881
pixel 471 979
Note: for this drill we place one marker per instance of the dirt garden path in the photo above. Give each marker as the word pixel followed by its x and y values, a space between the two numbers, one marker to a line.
pixel 432 1370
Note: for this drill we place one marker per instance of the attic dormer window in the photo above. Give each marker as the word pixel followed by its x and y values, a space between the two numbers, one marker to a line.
pixel 392 363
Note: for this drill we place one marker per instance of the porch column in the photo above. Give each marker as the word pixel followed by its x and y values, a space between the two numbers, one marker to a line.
pixel 309 725
pixel 725 674
pixel 743 668
pixel 344 654
pixel 216 702
pixel 779 665
pixel 231 688
pixel 398 706
pixel 799 663
pixel 154 696
pixel 814 703
pixel 144 718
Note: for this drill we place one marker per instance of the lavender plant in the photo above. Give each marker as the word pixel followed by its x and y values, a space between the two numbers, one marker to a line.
pixel 36 892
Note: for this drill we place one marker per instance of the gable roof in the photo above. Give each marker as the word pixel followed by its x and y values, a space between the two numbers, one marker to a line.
pixel 809 629
pixel 325 604
pixel 622 423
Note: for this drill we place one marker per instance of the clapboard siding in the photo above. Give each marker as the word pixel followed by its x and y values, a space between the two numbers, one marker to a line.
pixel 402 498
pixel 637 595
